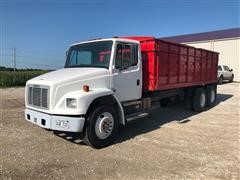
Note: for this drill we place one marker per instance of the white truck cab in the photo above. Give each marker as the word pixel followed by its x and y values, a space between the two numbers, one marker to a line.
pixel 88 93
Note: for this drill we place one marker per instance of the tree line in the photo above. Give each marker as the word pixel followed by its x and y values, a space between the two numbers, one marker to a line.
pixel 3 68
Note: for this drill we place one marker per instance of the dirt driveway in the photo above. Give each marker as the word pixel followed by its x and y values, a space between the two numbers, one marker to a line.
pixel 171 143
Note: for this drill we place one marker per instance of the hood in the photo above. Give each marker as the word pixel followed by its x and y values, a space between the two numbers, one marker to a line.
pixel 68 80
pixel 69 74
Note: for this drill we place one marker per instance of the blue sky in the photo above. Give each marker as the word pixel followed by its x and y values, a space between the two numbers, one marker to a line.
pixel 42 30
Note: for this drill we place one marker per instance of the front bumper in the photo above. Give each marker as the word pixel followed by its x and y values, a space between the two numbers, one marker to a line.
pixel 53 122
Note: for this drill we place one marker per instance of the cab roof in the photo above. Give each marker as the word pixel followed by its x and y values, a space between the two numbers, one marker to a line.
pixel 108 39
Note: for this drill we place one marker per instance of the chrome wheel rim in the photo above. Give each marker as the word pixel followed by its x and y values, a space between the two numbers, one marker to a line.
pixel 104 125
pixel 202 100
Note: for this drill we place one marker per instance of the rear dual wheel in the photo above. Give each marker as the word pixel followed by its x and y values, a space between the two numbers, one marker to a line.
pixel 203 97
pixel 199 99
pixel 211 92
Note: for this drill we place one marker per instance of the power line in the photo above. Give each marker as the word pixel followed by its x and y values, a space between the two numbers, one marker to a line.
pixel 20 63
pixel 14 58
pixel 48 63
pixel 33 58
pixel 39 52
pixel 36 64
pixel 43 59
pixel 33 63
pixel 32 52
pixel 21 59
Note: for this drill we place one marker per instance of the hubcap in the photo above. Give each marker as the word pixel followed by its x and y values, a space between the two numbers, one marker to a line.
pixel 104 125
pixel 212 98
pixel 202 100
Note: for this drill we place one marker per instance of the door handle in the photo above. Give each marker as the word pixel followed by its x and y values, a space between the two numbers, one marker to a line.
pixel 138 82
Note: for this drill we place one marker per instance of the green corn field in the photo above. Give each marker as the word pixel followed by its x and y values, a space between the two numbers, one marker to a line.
pixel 17 78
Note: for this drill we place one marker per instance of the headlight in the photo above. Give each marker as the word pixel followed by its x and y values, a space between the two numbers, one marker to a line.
pixel 71 103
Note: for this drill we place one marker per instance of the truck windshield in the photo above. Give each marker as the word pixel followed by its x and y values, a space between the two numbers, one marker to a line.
pixel 93 54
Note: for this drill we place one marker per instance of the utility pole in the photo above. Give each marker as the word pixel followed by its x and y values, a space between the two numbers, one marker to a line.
pixel 14 58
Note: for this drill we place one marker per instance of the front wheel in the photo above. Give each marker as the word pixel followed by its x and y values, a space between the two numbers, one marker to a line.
pixel 102 126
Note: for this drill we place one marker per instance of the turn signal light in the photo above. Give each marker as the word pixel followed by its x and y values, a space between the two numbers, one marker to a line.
pixel 86 88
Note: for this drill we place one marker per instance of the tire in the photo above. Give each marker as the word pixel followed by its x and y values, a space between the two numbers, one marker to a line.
pixel 199 99
pixel 231 80
pixel 211 95
pixel 96 135
pixel 188 99
pixel 220 80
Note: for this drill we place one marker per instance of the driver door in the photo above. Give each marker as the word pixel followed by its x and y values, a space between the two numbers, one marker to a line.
pixel 127 74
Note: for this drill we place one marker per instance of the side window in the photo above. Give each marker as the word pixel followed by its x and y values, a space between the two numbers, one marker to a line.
pixel 226 68
pixel 126 56
pixel 118 59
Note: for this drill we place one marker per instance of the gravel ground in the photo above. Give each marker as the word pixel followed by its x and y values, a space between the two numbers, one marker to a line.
pixel 171 143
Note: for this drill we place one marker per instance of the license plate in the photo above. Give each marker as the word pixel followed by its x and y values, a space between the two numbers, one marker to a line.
pixel 62 123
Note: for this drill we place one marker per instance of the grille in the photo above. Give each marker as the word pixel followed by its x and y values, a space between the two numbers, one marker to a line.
pixel 38 96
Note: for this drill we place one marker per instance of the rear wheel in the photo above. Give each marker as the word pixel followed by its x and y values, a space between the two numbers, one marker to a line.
pixel 211 95
pixel 102 126
pixel 199 99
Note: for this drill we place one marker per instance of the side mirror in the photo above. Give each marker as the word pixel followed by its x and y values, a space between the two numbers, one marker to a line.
pixel 230 70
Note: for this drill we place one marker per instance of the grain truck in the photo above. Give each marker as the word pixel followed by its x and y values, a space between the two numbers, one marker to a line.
pixel 108 82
